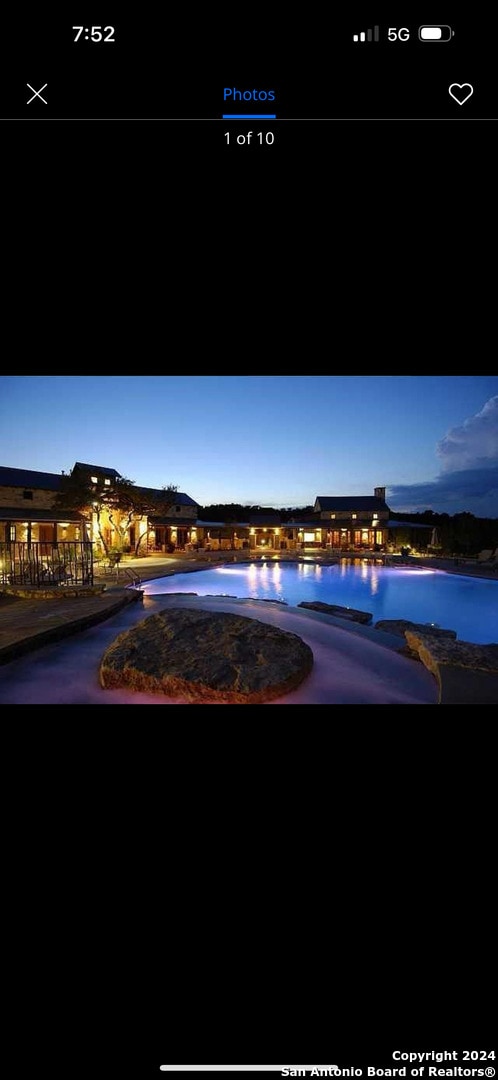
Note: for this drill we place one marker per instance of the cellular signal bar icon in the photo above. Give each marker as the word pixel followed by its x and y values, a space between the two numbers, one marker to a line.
pixel 367 35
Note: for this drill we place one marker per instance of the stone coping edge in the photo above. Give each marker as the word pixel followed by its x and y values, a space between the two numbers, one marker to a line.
pixel 65 629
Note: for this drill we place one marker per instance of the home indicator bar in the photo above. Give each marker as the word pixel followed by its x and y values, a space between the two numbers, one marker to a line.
pixel 247 116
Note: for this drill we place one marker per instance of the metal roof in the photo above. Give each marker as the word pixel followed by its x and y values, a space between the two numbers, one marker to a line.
pixel 176 522
pixel 270 522
pixel 26 513
pixel 28 478
pixel 213 524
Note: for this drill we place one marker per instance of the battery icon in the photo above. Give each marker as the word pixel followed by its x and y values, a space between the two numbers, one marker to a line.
pixel 435 33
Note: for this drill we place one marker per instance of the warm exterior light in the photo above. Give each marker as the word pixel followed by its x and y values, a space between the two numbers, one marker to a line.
pixel 252 531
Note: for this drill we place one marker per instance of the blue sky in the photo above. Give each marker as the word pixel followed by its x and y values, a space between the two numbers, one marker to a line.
pixel 278 440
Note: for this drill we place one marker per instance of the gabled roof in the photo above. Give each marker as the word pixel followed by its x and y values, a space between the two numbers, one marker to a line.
pixel 350 502
pixel 95 470
pixel 27 478
pixel 179 498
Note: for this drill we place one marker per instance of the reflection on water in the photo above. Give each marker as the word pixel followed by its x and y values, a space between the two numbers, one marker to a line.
pixel 467 605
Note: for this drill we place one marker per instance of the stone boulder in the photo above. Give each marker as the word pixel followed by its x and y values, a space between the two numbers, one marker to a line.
pixel 351 614
pixel 399 626
pixel 436 651
pixel 206 657
pixel 467 674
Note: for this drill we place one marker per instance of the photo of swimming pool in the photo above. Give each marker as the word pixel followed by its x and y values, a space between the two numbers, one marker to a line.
pixel 464 604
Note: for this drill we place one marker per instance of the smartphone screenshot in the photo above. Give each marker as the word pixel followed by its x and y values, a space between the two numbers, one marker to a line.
pixel 247 78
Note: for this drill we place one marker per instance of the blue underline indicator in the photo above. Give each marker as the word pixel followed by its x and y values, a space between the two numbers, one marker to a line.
pixel 249 116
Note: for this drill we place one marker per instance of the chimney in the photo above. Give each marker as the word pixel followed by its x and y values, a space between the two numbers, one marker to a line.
pixel 380 493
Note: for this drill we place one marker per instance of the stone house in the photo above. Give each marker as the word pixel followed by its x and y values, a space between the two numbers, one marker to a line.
pixel 356 522
pixel 26 509
pixel 27 513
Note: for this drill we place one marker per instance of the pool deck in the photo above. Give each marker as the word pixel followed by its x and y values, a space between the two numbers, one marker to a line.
pixel 26 625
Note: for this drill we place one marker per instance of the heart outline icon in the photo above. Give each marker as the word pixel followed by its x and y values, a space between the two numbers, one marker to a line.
pixel 461 86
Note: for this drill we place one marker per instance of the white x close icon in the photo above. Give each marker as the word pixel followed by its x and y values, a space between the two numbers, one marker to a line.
pixel 37 93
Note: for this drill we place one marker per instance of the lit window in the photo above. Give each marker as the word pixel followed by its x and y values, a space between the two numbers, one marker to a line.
pixel 12 533
pixel 94 479
pixel 107 483
pixel 375 517
pixel 332 516
pixel 354 516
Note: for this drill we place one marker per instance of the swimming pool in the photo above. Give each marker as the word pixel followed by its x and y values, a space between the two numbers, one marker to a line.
pixel 467 605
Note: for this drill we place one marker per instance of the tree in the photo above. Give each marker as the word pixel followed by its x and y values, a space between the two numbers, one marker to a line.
pixel 224 512
pixel 149 503
pixel 120 501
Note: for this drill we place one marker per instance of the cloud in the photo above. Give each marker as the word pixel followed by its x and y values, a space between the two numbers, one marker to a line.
pixel 469 477
pixel 473 444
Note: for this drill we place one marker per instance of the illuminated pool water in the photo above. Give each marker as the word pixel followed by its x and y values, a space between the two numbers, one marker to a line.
pixel 467 605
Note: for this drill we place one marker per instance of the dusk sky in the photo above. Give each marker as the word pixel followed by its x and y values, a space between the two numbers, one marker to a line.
pixel 272 440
